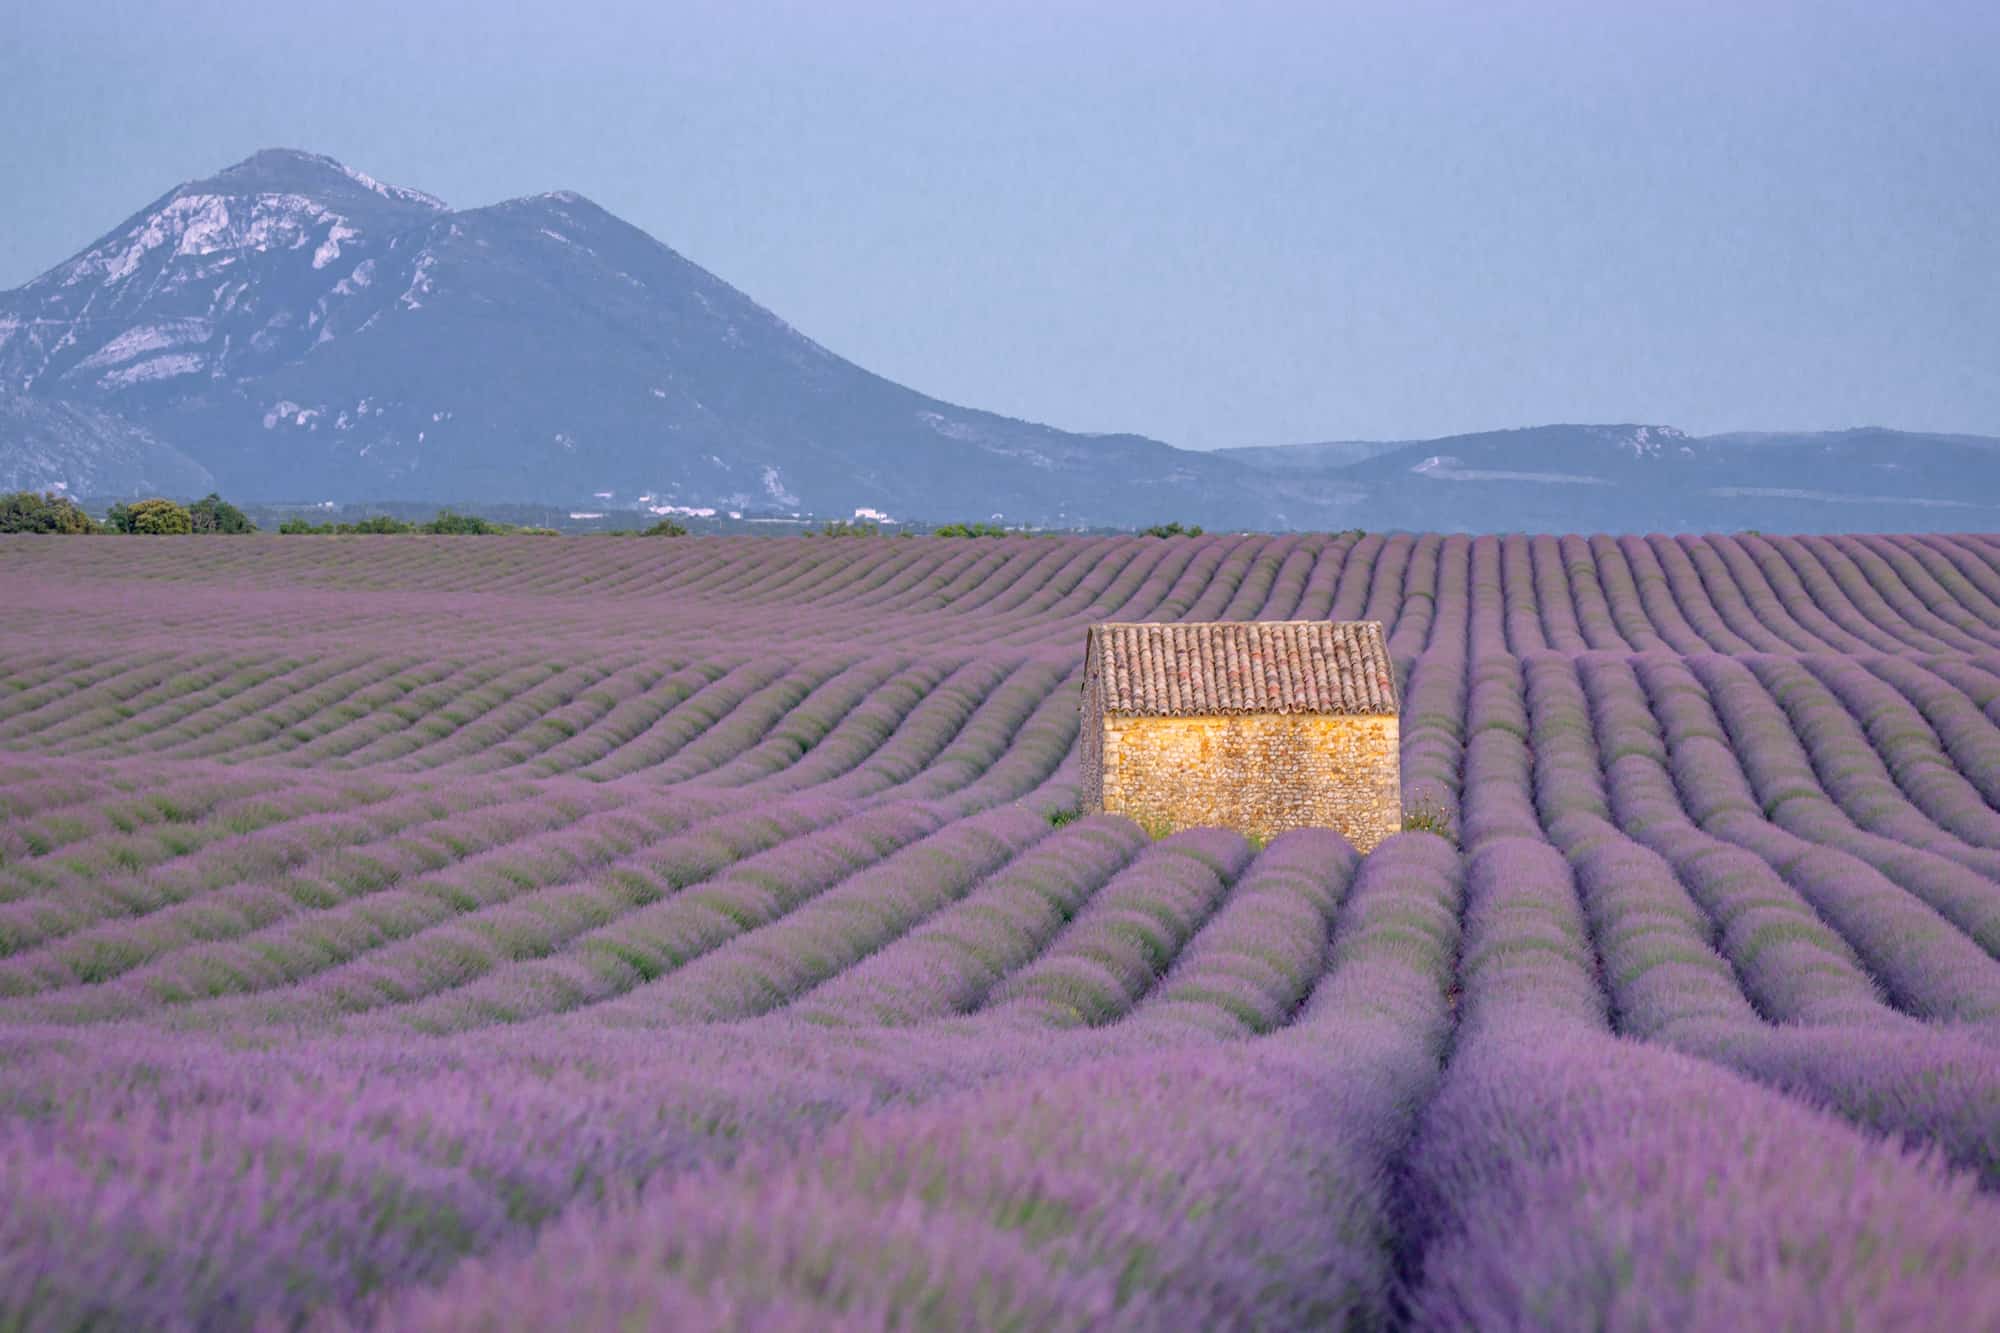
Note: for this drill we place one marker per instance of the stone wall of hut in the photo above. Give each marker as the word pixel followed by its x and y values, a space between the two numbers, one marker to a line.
pixel 1260 773
pixel 1091 742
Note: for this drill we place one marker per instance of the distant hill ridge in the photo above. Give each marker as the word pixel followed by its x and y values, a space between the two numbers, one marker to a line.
pixel 1636 477
pixel 292 329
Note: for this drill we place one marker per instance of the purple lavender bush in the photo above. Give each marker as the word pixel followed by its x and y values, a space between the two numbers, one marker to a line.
pixel 710 934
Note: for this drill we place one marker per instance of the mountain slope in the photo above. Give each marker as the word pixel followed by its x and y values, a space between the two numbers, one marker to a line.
pixel 47 444
pixel 1319 457
pixel 308 333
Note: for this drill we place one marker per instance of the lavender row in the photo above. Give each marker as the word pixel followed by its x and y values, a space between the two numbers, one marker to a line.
pixel 1108 1191
pixel 945 966
pixel 360 907
pixel 1667 982
pixel 1630 594
pixel 248 883
pixel 1925 963
pixel 1788 962
pixel 175 1182
pixel 1125 937
pixel 1658 929
pixel 1812 773
pixel 223 830
pixel 48 807
pixel 838 726
pixel 1687 1197
pixel 1945 788
pixel 769 965
pixel 1248 970
pixel 710 887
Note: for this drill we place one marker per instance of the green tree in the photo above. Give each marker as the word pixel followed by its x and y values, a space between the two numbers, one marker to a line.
pixel 26 511
pixel 453 524
pixel 373 525
pixel 666 527
pixel 383 525
pixel 212 513
pixel 840 527
pixel 969 530
pixel 1172 530
pixel 152 518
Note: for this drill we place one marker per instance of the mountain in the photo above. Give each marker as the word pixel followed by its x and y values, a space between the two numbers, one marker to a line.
pixel 309 333
pixel 290 329
pixel 53 445
pixel 1652 478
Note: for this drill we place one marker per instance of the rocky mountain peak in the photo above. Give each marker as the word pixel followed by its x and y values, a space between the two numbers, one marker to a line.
pixel 295 171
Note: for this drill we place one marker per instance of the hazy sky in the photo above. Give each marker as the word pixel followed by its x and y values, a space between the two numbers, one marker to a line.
pixel 1222 224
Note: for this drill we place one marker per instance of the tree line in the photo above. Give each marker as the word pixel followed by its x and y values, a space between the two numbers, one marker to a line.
pixel 51 511
pixel 54 512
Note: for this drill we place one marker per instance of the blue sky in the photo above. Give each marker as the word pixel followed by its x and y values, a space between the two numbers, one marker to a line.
pixel 1220 224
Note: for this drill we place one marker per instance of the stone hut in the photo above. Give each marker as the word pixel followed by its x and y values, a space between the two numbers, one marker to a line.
pixel 1259 726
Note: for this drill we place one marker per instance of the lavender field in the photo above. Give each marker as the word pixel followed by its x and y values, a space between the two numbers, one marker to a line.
pixel 414 933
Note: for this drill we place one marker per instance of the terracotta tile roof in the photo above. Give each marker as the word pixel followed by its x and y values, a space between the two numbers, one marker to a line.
pixel 1253 666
